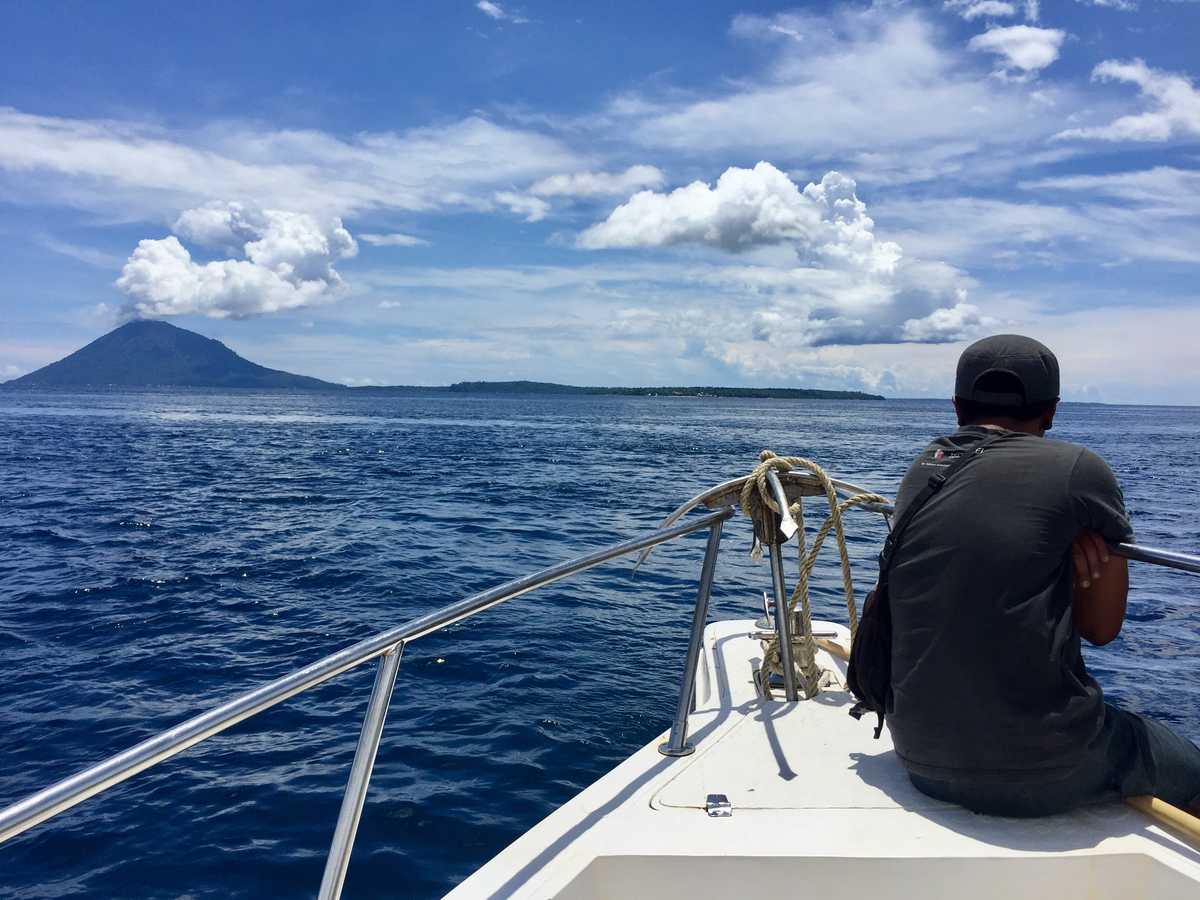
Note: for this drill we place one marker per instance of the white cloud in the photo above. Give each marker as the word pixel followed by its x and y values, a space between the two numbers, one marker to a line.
pixel 1175 103
pixel 843 286
pixel 955 323
pixel 1163 191
pixel 498 13
pixel 1022 47
pixel 87 255
pixel 993 9
pixel 288 264
pixel 533 209
pixel 867 92
pixel 749 208
pixel 1097 220
pixel 130 169
pixel 225 226
pixel 598 184
pixel 781 25
pixel 394 239
pixel 974 9
pixel 1123 5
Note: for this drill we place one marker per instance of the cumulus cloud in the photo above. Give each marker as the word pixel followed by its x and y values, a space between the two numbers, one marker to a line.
pixel 956 323
pixel 847 286
pixel 287 263
pixel 749 208
pixel 1174 102
pixel 974 9
pixel 598 184
pixel 226 226
pixel 1024 49
pixel 394 239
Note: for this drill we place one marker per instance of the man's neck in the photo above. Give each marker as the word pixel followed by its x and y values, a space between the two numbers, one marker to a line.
pixel 1009 425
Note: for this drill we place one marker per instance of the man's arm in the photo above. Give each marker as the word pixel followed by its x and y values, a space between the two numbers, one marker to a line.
pixel 1101 588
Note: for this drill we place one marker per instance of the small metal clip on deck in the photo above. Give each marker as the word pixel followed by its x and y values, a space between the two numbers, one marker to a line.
pixel 718 806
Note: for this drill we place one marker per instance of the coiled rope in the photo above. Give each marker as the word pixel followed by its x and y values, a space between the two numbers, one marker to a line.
pixel 756 496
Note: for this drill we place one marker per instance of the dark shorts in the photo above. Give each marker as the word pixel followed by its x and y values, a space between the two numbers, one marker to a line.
pixel 1132 755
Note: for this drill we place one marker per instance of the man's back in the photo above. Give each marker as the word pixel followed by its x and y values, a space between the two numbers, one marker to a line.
pixel 987 673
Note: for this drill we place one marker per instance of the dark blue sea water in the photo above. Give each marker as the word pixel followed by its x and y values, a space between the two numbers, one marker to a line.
pixel 163 551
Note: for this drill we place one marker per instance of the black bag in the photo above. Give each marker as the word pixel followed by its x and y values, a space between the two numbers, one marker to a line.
pixel 869 675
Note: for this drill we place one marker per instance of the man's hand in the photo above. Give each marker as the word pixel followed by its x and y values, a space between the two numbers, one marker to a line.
pixel 1101 587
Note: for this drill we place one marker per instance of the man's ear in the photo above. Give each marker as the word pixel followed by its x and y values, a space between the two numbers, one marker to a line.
pixel 1048 417
pixel 957 411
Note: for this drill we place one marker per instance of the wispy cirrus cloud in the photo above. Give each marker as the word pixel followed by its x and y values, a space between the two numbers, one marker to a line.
pixel 599 184
pixel 149 172
pixel 88 255
pixel 1174 105
pixel 531 209
pixel 393 239
pixel 498 13
pixel 861 90
pixel 976 9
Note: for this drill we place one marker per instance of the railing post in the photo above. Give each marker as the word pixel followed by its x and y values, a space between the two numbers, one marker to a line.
pixel 783 622
pixel 677 744
pixel 360 776
pixel 785 526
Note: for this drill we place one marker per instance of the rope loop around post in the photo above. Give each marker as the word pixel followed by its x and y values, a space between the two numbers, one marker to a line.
pixel 760 506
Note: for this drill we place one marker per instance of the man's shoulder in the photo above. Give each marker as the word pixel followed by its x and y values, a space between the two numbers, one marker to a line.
pixel 942 451
pixel 1056 462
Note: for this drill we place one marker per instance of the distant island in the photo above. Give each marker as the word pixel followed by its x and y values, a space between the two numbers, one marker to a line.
pixel 148 354
pixel 545 387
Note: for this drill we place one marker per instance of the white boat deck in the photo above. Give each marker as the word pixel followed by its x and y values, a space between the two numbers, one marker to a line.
pixel 818 808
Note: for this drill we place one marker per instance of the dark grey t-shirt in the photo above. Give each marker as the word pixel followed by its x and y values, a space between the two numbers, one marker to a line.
pixel 987 672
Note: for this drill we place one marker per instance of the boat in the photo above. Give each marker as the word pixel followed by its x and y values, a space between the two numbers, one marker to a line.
pixel 764 783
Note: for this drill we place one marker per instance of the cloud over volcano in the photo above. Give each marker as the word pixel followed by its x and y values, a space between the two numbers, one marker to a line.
pixel 281 260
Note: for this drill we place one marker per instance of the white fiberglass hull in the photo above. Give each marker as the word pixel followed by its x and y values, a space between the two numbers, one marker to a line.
pixel 819 808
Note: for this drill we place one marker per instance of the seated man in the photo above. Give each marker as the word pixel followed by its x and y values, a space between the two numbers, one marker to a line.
pixel 992 585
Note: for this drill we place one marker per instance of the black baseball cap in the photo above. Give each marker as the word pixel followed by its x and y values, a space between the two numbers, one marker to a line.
pixel 1029 362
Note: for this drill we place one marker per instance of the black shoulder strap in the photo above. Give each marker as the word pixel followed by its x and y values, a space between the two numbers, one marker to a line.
pixel 935 484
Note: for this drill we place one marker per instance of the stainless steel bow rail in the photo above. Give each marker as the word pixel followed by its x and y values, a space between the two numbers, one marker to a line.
pixel 1170 559
pixel 387 646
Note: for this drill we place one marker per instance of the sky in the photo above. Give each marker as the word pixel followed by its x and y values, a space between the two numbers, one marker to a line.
pixel 828 195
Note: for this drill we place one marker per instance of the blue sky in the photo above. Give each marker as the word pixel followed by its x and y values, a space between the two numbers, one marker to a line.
pixel 828 195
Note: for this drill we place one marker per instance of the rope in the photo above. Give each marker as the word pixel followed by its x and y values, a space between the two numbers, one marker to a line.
pixel 756 497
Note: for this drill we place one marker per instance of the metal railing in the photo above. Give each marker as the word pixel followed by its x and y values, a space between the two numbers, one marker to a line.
pixel 388 646
pixel 1170 559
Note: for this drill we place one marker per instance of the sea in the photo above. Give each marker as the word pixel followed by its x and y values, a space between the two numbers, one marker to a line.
pixel 163 551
